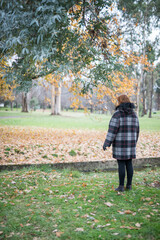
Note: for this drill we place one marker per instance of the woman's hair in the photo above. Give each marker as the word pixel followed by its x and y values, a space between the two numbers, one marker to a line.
pixel 123 99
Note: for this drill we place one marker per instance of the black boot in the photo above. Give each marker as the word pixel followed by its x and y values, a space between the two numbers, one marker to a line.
pixel 120 188
pixel 128 187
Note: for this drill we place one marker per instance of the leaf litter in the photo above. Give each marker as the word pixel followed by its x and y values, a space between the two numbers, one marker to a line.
pixel 26 145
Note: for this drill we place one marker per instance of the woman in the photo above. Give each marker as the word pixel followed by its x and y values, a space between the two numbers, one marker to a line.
pixel 123 134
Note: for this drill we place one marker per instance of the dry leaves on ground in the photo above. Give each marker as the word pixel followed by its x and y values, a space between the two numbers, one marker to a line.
pixel 21 145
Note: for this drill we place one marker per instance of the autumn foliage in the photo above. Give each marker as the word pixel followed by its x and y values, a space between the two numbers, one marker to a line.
pixel 6 89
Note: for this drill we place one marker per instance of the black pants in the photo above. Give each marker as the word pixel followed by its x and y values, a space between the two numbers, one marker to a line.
pixel 122 164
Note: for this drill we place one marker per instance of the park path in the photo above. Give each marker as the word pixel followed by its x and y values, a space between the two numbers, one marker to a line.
pixel 3 117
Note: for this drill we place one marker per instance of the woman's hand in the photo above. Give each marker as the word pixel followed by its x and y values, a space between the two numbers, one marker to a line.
pixel 105 145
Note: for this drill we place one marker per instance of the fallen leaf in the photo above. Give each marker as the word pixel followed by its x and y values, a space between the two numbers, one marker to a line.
pixel 128 212
pixel 96 221
pixel 128 236
pixel 71 196
pixel 84 184
pixel 58 234
pixel 138 225
pixel 103 226
pixel 102 196
pixel 109 204
pixel 120 212
pixel 28 224
pixel 147 199
pixel 79 230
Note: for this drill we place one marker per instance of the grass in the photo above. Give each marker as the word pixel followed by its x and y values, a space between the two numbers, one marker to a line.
pixel 52 204
pixel 70 120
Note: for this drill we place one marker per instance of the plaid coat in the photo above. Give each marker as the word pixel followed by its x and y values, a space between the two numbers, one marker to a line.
pixel 123 132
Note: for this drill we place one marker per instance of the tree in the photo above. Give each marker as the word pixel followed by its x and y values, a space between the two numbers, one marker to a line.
pixel 150 51
pixel 139 16
pixel 157 86
pixel 55 81
pixel 90 46
pixel 6 89
pixel 33 32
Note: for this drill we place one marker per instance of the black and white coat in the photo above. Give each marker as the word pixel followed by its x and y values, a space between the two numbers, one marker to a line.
pixel 123 132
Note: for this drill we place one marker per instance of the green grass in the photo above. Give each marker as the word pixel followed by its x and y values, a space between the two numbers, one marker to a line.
pixel 68 120
pixel 48 204
pixel 74 120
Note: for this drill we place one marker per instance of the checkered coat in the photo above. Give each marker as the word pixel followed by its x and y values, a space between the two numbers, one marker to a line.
pixel 123 132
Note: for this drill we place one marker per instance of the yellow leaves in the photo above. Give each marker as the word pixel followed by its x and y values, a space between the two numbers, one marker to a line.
pixel 6 90
pixel 74 24
pixel 76 103
pixel 121 84
pixel 77 7
pixel 53 79
pixel 47 100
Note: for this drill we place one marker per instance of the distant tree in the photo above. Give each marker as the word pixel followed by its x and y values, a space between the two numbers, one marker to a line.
pixel 141 17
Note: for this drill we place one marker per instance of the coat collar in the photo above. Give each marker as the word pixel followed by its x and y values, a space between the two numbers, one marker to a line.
pixel 125 107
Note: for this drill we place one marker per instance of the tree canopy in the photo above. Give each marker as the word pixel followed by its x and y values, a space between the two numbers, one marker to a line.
pixel 46 36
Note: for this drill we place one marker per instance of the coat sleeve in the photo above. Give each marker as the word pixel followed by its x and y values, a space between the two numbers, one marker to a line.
pixel 113 129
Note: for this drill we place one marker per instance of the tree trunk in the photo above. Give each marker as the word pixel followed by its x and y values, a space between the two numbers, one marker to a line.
pixel 24 102
pixel 143 99
pixel 158 101
pixel 143 91
pixel 16 104
pixel 57 109
pixel 151 97
pixel 142 69
pixel 11 104
pixel 52 99
pixel 138 96
pixel 55 100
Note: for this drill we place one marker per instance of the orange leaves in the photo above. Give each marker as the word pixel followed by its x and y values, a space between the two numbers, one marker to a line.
pixel 121 82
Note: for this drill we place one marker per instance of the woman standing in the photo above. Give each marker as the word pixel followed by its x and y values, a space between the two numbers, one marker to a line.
pixel 123 134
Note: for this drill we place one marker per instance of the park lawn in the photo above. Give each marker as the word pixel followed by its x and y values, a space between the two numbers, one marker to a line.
pixel 44 203
pixel 69 120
